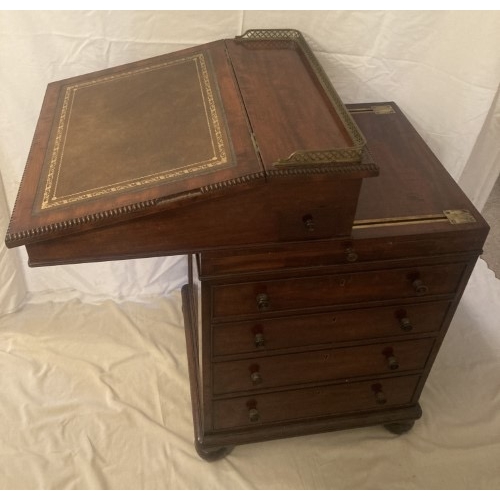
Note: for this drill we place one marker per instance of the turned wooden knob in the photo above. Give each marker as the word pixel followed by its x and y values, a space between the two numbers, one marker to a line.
pixel 404 320
pixel 260 341
pixel 308 222
pixel 405 324
pixel 351 255
pixel 379 394
pixel 253 415
pixel 256 378
pixel 392 361
pixel 258 336
pixel 263 302
pixel 255 375
pixel 419 287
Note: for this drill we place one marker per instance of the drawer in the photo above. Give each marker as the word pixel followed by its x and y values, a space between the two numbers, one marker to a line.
pixel 301 293
pixel 321 365
pixel 314 402
pixel 264 335
pixel 330 253
pixel 307 223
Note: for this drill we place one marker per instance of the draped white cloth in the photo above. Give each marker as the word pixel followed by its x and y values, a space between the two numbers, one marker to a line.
pixel 96 396
pixel 12 284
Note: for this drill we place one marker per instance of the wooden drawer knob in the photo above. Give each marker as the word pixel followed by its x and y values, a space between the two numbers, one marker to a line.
pixel 351 255
pixel 419 287
pixel 392 362
pixel 258 336
pixel 255 375
pixel 405 324
pixel 256 378
pixel 263 302
pixel 308 222
pixel 253 413
pixel 380 397
pixel 260 341
pixel 404 320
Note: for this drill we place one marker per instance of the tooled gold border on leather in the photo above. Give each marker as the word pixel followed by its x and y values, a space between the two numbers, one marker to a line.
pixel 311 157
pixel 220 156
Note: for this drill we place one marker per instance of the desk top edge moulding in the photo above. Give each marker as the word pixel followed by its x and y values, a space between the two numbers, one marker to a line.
pixel 328 247
pixel 135 139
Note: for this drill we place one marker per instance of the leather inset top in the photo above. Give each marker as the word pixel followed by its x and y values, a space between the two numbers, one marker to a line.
pixel 133 129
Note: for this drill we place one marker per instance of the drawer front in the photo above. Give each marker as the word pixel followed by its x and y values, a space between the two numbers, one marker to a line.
pixel 309 223
pixel 313 402
pixel 332 252
pixel 301 293
pixel 322 365
pixel 341 326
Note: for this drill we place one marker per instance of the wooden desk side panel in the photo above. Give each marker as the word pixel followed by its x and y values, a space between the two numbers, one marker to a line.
pixel 272 211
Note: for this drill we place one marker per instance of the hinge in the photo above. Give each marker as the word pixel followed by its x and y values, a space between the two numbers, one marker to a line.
pixel 447 216
pixel 378 109
pixel 383 109
pixel 459 216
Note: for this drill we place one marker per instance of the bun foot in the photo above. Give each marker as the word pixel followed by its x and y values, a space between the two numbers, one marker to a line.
pixel 400 427
pixel 213 454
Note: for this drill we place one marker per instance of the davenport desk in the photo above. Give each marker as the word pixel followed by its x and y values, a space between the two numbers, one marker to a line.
pixel 328 248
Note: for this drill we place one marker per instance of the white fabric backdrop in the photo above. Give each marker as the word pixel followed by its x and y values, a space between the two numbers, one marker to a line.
pixel 13 288
pixel 442 68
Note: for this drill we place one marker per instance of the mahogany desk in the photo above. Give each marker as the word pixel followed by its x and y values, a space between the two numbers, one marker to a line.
pixel 328 246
